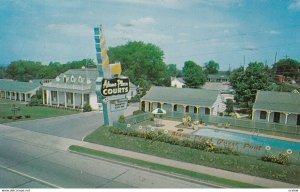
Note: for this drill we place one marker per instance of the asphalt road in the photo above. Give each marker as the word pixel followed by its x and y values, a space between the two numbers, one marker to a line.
pixel 71 126
pixel 30 159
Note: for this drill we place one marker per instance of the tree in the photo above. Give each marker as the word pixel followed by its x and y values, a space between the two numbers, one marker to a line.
pixel 247 82
pixel 193 75
pixel 229 106
pixel 287 67
pixel 142 63
pixel 212 67
pixel 23 70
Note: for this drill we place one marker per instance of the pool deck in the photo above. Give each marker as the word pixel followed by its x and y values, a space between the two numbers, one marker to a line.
pixel 171 126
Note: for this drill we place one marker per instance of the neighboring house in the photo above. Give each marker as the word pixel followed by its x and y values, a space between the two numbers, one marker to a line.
pixel 277 107
pixel 132 91
pixel 74 89
pixel 204 102
pixel 18 91
pixel 219 77
pixel 177 82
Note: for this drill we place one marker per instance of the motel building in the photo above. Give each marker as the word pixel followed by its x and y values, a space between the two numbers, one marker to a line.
pixel 196 101
pixel 18 91
pixel 277 107
pixel 75 88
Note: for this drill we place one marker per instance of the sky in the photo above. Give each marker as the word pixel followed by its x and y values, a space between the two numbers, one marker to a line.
pixel 230 32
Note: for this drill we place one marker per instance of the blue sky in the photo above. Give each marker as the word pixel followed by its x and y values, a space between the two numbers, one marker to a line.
pixel 226 31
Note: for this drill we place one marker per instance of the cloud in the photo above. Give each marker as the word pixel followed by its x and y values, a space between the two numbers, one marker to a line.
pixel 180 4
pixel 295 5
pixel 143 21
pixel 173 4
pixel 138 30
pixel 71 29
pixel 274 32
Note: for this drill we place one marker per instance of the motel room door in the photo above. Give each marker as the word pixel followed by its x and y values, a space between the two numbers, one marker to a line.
pixel 276 117
pixel 298 119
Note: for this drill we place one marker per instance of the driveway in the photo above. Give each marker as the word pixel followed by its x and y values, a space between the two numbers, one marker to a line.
pixel 71 126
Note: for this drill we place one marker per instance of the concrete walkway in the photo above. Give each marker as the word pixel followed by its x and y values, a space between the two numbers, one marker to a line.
pixel 192 167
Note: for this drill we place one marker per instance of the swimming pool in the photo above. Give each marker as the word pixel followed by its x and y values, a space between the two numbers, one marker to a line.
pixel 245 138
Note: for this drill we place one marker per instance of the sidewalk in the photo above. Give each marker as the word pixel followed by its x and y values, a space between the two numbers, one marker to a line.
pixel 192 167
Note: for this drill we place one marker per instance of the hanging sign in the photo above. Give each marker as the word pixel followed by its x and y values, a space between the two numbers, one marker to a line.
pixel 119 104
pixel 117 86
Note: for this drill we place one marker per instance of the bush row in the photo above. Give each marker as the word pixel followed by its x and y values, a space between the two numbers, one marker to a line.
pixel 203 144
pixel 281 158
pixel 16 117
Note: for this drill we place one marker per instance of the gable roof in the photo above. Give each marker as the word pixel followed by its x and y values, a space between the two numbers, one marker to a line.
pixel 277 101
pixel 185 96
pixel 17 86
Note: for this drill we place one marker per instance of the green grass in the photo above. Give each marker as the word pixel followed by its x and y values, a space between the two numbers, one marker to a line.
pixel 240 164
pixel 164 168
pixel 35 112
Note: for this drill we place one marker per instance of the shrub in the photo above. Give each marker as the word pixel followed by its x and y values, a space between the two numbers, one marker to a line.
pixel 87 108
pixel 34 102
pixel 19 117
pixel 122 119
pixel 281 158
pixel 27 116
pixel 204 144
pixel 135 99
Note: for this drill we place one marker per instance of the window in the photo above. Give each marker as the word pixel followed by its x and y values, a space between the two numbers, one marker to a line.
pixel 195 109
pixel 207 111
pixel 80 79
pixel 187 109
pixel 175 108
pixel 263 115
pixel 65 79
pixel 72 79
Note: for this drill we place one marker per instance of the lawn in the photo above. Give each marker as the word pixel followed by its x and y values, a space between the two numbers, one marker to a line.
pixel 158 167
pixel 34 112
pixel 241 164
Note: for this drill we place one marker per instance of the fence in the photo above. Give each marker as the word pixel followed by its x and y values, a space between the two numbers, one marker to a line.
pixel 244 148
pixel 138 118
pixel 249 125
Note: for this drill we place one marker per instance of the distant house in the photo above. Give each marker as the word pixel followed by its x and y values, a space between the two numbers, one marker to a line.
pixel 18 91
pixel 132 91
pixel 177 82
pixel 277 107
pixel 204 102
pixel 74 89
pixel 220 77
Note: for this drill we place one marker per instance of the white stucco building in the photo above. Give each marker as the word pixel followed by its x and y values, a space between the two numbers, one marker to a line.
pixel 74 89
pixel 277 107
pixel 177 82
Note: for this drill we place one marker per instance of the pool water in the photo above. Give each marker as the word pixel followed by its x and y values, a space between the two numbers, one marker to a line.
pixel 245 138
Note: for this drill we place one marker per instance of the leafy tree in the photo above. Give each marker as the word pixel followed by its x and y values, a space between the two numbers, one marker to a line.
pixel 247 82
pixel 173 71
pixel 142 63
pixel 3 73
pixel 229 106
pixel 193 75
pixel 212 67
pixel 287 67
pixel 23 70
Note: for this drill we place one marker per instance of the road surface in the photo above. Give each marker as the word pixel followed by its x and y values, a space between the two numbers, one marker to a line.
pixel 71 126
pixel 30 159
